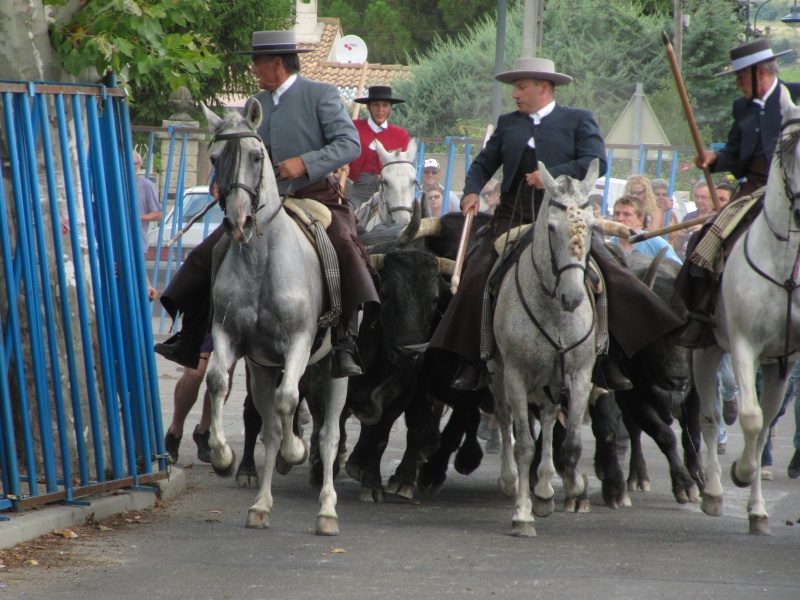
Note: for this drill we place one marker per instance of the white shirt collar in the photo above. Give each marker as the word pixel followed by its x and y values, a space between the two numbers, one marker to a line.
pixel 541 114
pixel 276 94
pixel 762 101
pixel 375 127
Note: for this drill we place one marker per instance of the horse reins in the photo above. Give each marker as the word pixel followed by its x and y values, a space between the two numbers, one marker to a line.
pixel 790 285
pixel 253 193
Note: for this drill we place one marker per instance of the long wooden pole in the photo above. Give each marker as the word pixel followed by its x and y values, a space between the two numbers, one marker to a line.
pixel 687 109
pixel 356 109
pixel 194 220
pixel 646 235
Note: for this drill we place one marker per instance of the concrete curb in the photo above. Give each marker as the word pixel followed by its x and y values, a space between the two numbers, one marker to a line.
pixel 23 527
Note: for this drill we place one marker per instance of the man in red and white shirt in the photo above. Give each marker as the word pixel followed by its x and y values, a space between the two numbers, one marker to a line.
pixel 366 169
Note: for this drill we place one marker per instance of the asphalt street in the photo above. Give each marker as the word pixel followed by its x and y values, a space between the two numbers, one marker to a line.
pixel 455 544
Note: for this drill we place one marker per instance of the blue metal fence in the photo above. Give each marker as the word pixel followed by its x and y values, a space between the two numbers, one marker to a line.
pixel 80 410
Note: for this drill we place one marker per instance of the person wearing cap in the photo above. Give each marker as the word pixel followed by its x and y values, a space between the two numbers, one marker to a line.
pixel 747 156
pixel 566 140
pixel 308 135
pixel 365 170
pixel 431 175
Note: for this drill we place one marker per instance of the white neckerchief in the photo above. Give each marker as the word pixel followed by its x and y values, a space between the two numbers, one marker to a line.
pixel 376 129
pixel 762 101
pixel 276 94
pixel 537 118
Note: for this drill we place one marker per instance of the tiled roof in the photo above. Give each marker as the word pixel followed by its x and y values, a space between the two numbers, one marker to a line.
pixel 318 65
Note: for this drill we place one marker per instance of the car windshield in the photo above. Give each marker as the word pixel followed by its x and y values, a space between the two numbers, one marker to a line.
pixel 195 203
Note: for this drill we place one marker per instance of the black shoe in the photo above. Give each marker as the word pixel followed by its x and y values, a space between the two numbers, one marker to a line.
pixel 467 377
pixel 698 333
pixel 203 449
pixel 171 445
pixel 347 363
pixel 182 349
pixel 730 410
pixel 794 465
pixel 483 428
pixel 608 374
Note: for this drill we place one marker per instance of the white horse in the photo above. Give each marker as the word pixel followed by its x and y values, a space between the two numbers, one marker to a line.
pixel 545 348
pixel 757 320
pixel 268 296
pixel 393 201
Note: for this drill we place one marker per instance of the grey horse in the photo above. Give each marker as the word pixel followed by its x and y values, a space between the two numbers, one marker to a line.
pixel 267 298
pixel 545 348
pixel 395 198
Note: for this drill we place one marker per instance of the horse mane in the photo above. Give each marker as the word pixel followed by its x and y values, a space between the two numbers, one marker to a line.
pixel 786 146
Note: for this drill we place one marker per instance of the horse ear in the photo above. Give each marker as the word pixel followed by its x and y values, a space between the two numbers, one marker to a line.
pixel 786 101
pixel 547 179
pixel 253 113
pixel 591 176
pixel 212 119
pixel 411 151
pixel 382 153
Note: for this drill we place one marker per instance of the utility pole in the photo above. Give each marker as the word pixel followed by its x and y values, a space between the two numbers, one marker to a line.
pixel 532 27
pixel 499 60
pixel 678 26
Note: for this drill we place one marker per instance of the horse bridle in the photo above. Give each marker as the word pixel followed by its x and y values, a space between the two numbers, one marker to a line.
pixel 554 268
pixel 253 193
pixel 416 184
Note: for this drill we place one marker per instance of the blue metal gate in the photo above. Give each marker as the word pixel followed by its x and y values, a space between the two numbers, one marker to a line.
pixel 80 410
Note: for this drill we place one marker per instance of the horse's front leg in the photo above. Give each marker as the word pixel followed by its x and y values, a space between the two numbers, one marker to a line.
pixel 293 448
pixel 575 484
pixel 222 359
pixel 745 470
pixel 705 363
pixel 262 386
pixel 543 492
pixel 509 479
pixel 517 397
pixel 335 395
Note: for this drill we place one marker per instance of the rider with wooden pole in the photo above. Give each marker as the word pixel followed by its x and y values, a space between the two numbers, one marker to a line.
pixel 566 140
pixel 747 155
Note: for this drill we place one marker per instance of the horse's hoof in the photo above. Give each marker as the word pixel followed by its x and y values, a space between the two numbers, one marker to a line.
pixel 524 529
pixel 681 497
pixel 372 495
pixel 694 494
pixel 327 525
pixel 247 480
pixel 219 465
pixel 257 519
pixel 736 481
pixel 583 506
pixel 281 465
pixel 354 471
pixel 543 507
pixel 711 505
pixel 759 525
pixel 396 487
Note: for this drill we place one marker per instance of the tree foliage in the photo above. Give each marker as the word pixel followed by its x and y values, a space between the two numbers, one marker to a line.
pixel 607 51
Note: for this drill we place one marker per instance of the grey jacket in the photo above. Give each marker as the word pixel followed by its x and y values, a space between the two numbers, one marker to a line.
pixel 310 121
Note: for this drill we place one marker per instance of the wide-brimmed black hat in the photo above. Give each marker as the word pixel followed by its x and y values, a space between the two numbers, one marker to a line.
pixel 274 42
pixel 751 54
pixel 379 92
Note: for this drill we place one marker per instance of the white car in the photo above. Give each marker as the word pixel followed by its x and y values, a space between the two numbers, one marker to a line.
pixel 194 201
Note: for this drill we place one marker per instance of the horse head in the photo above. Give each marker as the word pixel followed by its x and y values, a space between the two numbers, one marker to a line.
pixel 563 232
pixel 398 183
pixel 242 172
pixel 789 153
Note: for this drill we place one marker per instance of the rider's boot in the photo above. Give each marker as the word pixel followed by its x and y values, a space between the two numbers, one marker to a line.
pixel 699 331
pixel 470 376
pixel 609 374
pixel 182 348
pixel 346 361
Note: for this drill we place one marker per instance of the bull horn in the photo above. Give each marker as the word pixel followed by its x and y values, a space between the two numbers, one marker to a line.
pixel 429 226
pixel 408 232
pixel 376 260
pixel 446 266
pixel 649 278
pixel 607 228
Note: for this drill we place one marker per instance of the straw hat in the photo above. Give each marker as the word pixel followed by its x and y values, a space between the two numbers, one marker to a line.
pixel 274 42
pixel 750 54
pixel 534 68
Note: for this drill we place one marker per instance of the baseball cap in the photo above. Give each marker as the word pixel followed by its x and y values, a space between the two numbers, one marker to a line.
pixel 430 162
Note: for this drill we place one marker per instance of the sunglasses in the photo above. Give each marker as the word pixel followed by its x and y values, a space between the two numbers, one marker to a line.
pixel 639 193
pixel 434 197
pixel 430 171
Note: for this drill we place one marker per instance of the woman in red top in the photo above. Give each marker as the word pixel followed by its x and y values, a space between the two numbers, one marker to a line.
pixel 366 169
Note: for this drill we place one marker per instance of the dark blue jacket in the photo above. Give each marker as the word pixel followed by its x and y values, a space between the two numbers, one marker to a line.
pixel 566 142
pixel 751 123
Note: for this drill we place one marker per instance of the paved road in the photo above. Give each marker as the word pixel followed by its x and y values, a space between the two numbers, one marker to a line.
pixel 452 545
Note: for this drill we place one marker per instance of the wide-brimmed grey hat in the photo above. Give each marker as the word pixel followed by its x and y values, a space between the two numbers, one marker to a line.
pixel 379 92
pixel 274 42
pixel 750 54
pixel 534 68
